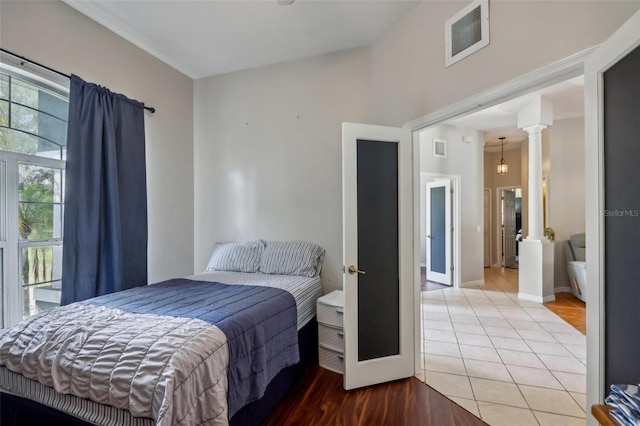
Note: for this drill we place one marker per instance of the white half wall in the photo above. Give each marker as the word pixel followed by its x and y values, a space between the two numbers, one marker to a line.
pixel 54 34
pixel 268 153
pixel 467 161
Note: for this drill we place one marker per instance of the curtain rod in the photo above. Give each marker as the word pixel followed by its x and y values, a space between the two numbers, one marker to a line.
pixel 22 58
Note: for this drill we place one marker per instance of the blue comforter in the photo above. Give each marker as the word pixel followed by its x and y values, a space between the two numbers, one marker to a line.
pixel 260 324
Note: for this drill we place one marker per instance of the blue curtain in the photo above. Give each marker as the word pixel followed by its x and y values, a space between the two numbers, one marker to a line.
pixel 105 218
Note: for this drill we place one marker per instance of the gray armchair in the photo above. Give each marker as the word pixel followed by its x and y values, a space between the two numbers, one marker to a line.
pixel 577 267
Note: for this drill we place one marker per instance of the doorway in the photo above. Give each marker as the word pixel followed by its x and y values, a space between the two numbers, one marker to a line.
pixel 510 226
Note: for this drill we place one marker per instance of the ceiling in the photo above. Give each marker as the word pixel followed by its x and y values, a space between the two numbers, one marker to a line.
pixel 210 37
pixel 567 98
pixel 202 38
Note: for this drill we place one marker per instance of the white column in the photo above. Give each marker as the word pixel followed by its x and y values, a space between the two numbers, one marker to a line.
pixel 536 229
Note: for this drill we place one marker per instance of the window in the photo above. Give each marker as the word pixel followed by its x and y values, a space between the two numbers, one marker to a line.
pixel 33 133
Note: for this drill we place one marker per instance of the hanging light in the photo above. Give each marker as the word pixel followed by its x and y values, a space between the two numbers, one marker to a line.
pixel 503 167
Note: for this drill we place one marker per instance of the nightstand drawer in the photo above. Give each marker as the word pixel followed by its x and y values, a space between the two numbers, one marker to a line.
pixel 330 315
pixel 331 337
pixel 331 360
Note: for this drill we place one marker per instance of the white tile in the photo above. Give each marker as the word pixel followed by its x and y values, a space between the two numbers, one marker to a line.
pixel 459 309
pixel 563 363
pixel 495 322
pixel 434 306
pixel 497 392
pixel 488 313
pixel 581 399
pixel 570 338
pixel 473 339
pixel 487 370
pixel 468 328
pixel 517 316
pixel 464 319
pixel 480 353
pixel 572 382
pixel 543 315
pixel 551 401
pixel 468 404
pixel 501 332
pixel 441 348
pixel 503 415
pixel 479 301
pixel 534 377
pixel 433 295
pixel 580 351
pixel 559 327
pixel 439 335
pixel 505 302
pixel 511 344
pixel 548 419
pixel 549 348
pixel 525 325
pixel 538 335
pixel 436 316
pixel 450 384
pixel 444 364
pixel 438 325
pixel 455 298
pixel 526 359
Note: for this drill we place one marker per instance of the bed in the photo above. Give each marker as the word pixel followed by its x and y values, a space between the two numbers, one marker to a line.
pixel 219 347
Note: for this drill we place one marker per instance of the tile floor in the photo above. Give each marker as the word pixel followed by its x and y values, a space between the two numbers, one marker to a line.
pixel 505 360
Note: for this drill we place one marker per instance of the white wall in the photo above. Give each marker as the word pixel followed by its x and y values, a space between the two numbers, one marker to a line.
pixel 52 33
pixel 566 177
pixel 268 153
pixel 464 160
pixel 409 76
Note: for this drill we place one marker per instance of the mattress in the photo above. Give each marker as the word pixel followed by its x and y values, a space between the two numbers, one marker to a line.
pixel 304 290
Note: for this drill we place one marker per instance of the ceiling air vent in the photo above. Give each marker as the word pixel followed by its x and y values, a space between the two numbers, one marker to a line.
pixel 467 31
pixel 439 148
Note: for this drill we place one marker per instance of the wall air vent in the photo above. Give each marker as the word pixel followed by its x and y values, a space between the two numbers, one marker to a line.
pixel 439 148
pixel 467 31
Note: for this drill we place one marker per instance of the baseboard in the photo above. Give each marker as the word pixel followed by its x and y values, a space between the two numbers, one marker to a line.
pixel 562 290
pixel 536 299
pixel 471 283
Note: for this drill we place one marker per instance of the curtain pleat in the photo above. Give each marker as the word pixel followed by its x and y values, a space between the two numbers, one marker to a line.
pixel 105 218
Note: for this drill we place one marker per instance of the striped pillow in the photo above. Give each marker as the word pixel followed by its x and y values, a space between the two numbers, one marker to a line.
pixel 236 257
pixel 292 258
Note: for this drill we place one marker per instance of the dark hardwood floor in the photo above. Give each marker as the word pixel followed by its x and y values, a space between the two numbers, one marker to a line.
pixel 319 399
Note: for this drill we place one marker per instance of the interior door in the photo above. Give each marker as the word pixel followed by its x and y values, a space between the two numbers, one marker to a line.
pixel 439 232
pixel 612 108
pixel 377 181
pixel 509 227
pixel 487 228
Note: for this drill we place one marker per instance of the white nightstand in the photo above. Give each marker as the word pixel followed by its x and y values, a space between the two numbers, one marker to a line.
pixel 331 331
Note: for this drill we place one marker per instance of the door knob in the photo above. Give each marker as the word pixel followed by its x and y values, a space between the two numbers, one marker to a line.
pixel 353 270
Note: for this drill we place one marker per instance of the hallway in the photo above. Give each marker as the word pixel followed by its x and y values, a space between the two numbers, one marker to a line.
pixel 505 360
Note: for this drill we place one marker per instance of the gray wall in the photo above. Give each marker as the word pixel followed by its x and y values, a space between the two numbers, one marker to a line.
pixel 52 33
pixel 268 153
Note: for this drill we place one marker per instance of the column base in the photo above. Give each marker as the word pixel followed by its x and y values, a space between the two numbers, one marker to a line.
pixel 535 271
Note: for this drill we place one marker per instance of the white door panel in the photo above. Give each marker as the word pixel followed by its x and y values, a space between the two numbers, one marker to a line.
pixel 439 230
pixel 368 233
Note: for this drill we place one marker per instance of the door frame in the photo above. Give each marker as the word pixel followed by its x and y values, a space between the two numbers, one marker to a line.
pixel 497 223
pixel 562 70
pixel 456 221
pixel 489 220
pixel 618 45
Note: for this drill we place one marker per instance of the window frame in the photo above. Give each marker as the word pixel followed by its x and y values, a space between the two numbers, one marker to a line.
pixel 11 246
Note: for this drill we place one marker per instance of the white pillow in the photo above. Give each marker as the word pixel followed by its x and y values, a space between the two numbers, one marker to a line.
pixel 292 258
pixel 236 257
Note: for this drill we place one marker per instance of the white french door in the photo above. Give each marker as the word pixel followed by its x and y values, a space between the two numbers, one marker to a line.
pixel 439 231
pixel 377 188
pixel 609 54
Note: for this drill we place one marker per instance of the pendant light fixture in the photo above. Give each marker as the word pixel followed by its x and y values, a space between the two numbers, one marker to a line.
pixel 503 167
